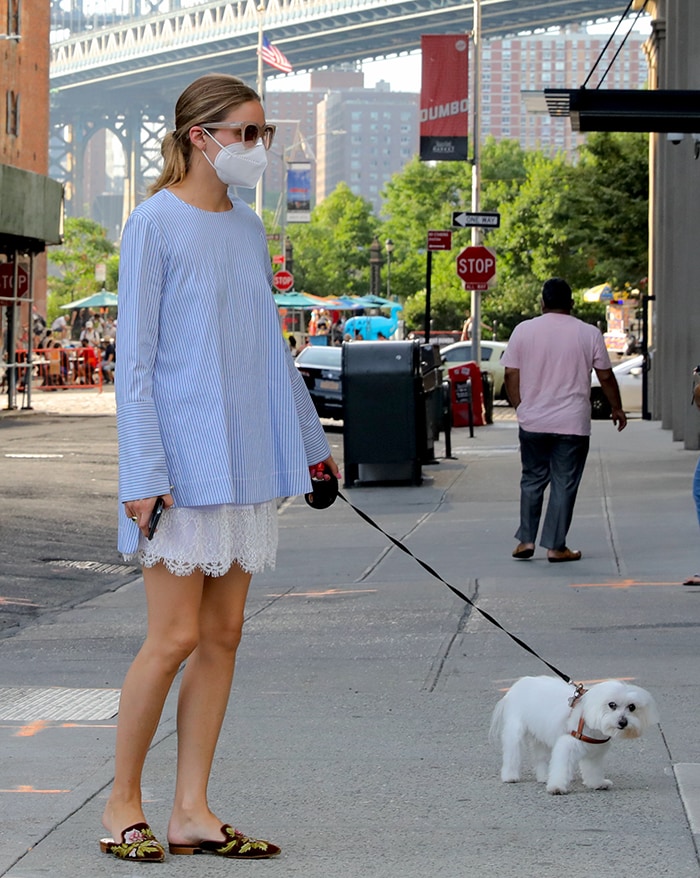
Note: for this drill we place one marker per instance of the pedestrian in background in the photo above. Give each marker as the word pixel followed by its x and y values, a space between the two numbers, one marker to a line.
pixel 695 578
pixel 219 428
pixel 548 365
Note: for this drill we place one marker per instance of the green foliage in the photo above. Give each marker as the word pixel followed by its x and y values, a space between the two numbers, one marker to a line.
pixel 331 253
pixel 585 221
pixel 447 310
pixel 85 245
pixel 614 174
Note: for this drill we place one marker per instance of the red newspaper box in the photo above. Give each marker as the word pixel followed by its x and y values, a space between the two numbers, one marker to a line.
pixel 459 379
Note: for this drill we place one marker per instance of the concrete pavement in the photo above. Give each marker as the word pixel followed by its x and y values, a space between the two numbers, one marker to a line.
pixel 357 731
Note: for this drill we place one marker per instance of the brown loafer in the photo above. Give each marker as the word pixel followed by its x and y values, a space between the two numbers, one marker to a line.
pixel 566 554
pixel 523 551
pixel 236 846
pixel 138 844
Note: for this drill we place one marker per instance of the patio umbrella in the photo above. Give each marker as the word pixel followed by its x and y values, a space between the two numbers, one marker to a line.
pixel 601 293
pixel 103 299
pixel 374 301
pixel 296 300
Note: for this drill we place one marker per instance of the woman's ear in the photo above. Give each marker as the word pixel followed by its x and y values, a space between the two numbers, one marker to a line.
pixel 197 137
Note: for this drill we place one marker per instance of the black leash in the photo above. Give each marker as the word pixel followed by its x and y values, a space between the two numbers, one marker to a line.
pixel 436 575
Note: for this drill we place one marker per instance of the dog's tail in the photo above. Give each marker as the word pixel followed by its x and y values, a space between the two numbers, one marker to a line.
pixel 497 721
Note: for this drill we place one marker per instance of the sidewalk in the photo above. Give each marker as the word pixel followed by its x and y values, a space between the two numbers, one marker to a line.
pixel 357 733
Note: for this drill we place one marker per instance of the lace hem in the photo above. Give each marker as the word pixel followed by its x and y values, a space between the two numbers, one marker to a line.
pixel 211 539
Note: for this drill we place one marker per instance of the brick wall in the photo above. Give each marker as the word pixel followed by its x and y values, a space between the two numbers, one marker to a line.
pixel 24 85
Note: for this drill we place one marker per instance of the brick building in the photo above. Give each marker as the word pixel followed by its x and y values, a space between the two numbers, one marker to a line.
pixel 30 203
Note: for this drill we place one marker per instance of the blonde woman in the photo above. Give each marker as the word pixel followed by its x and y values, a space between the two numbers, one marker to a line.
pixel 214 419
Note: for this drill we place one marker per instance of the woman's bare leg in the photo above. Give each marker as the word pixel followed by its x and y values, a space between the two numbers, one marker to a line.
pixel 204 694
pixel 173 612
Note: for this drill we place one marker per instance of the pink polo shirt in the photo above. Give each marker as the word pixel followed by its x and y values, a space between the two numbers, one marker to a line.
pixel 554 354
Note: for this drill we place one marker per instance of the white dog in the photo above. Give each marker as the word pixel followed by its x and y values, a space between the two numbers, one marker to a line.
pixel 566 730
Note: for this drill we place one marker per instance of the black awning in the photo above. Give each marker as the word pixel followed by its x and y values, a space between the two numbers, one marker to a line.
pixel 626 109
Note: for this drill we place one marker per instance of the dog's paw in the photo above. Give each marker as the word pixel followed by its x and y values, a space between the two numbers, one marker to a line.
pixel 557 791
pixel 510 778
pixel 604 785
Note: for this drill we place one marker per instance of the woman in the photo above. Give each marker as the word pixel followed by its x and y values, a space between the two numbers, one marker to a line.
pixel 214 418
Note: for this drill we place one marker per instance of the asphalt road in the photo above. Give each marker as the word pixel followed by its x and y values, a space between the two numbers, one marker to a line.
pixel 58 484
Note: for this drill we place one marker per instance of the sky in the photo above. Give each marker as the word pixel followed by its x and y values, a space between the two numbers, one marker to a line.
pixel 403 72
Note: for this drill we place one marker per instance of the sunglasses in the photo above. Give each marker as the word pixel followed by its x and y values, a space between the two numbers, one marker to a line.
pixel 249 131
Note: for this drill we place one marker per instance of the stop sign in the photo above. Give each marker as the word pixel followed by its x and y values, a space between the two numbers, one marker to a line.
pixel 283 281
pixel 7 276
pixel 476 266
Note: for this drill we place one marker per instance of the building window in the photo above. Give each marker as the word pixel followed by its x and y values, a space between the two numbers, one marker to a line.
pixel 12 123
pixel 14 13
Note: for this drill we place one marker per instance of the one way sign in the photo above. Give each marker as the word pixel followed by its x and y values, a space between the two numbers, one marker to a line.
pixel 462 220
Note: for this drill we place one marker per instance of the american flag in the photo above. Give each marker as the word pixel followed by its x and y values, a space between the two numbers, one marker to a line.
pixel 271 55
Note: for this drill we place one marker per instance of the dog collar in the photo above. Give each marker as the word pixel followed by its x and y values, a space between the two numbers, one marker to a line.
pixel 578 734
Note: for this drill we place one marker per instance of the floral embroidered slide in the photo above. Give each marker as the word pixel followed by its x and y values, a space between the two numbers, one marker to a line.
pixel 236 847
pixel 138 844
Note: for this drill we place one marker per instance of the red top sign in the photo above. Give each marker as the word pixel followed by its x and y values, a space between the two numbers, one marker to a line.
pixel 283 281
pixel 476 266
pixel 439 240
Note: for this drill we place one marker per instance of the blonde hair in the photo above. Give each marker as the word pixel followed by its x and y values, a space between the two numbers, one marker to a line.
pixel 207 99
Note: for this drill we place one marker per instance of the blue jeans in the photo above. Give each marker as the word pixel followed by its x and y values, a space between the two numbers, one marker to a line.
pixel 557 460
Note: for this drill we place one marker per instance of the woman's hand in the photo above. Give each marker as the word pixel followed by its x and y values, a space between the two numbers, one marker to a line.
pixel 321 470
pixel 139 511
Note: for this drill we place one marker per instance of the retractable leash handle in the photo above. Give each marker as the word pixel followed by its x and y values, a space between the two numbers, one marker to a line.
pixel 325 490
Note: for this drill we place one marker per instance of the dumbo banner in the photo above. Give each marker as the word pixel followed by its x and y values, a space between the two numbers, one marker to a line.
pixel 444 102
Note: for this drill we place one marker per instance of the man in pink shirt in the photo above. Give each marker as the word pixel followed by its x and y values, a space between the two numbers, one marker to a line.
pixel 548 380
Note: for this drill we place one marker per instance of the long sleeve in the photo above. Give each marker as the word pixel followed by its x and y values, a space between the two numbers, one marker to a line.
pixel 143 470
pixel 315 442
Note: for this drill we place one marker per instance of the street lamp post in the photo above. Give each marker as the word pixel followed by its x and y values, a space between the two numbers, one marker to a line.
pixel 389 246
pixel 375 266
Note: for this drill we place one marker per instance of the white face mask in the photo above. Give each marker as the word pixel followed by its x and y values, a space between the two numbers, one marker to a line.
pixel 237 164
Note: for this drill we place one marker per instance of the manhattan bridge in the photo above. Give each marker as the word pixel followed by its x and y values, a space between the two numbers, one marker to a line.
pixel 119 65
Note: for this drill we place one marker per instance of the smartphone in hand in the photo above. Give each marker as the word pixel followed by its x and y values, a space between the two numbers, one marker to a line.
pixel 155 517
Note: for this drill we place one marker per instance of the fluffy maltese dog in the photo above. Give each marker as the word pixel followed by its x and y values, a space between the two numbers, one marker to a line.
pixel 566 730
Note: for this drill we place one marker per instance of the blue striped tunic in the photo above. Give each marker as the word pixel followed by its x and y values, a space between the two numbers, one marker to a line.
pixel 208 398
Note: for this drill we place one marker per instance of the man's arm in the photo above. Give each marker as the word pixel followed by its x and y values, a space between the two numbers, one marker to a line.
pixel 611 389
pixel 512 381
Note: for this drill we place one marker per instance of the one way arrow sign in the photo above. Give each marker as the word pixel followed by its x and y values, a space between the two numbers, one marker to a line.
pixel 462 220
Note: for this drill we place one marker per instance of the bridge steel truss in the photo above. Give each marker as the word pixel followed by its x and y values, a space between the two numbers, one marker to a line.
pixel 125 76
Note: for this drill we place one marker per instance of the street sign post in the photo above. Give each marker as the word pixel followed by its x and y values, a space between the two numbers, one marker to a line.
pixel 283 281
pixel 476 267
pixel 461 219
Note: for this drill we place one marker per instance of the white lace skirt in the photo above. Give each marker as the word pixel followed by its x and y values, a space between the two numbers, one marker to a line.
pixel 212 539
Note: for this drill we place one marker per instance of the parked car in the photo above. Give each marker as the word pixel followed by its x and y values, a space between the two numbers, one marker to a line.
pixel 491 352
pixel 322 370
pixel 629 377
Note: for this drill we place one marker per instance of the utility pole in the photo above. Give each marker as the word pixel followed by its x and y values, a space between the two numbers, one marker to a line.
pixel 476 174
pixel 261 93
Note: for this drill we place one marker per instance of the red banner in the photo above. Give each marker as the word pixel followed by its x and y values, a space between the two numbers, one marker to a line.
pixel 444 102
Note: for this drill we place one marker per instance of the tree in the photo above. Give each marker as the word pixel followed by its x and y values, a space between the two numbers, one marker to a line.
pixel 331 253
pixel 423 196
pixel 84 246
pixel 586 222
pixel 614 175
pixel 419 198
